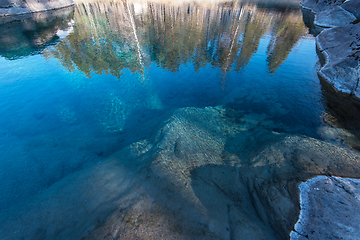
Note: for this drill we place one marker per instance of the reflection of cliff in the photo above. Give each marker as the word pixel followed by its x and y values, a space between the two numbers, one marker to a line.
pixel 111 36
pixel 29 34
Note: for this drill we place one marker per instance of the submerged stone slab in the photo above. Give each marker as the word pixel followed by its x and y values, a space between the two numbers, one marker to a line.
pixel 330 209
pixel 340 48
pixel 208 173
pixel 333 17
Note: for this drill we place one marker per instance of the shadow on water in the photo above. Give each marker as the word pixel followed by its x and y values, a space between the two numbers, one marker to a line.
pixel 29 34
pixel 308 18
pixel 343 111
pixel 140 124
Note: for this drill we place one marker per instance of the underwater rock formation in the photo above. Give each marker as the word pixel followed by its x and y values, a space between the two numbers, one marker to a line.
pixel 17 7
pixel 208 173
pixel 339 44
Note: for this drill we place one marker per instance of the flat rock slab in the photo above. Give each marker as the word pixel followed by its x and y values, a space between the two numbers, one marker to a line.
pixel 317 6
pixel 340 47
pixel 352 6
pixel 330 209
pixel 333 17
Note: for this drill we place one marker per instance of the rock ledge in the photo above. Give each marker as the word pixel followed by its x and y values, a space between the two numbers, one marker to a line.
pixel 339 44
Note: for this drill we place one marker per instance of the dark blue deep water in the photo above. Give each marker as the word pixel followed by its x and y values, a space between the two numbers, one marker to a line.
pixel 79 85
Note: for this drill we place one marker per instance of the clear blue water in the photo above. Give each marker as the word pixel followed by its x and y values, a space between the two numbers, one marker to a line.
pixel 74 97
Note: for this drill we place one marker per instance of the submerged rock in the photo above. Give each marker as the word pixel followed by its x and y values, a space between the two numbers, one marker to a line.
pixel 329 209
pixel 207 174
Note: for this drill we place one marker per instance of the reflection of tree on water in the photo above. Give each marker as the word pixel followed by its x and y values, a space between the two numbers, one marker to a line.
pixel 111 36
pixel 102 41
pixel 285 35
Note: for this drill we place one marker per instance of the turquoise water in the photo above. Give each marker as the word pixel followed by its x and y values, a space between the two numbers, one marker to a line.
pixel 103 76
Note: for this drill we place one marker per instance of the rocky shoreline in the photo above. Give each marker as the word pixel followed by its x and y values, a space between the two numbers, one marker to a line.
pixel 329 205
pixel 338 41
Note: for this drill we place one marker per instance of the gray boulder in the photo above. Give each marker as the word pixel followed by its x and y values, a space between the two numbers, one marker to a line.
pixel 330 208
pixel 333 17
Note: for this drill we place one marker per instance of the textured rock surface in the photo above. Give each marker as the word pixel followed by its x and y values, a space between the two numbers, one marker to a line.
pixel 333 17
pixel 317 6
pixel 16 7
pixel 230 177
pixel 339 46
pixel 330 209
pixel 353 7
